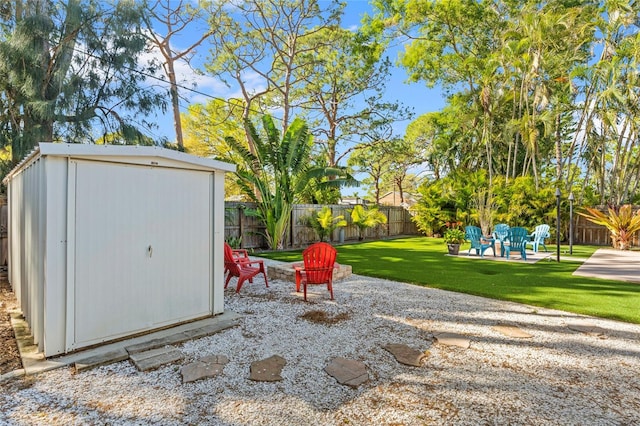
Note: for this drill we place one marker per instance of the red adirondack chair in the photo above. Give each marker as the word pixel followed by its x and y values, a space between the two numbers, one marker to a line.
pixel 319 259
pixel 238 254
pixel 243 268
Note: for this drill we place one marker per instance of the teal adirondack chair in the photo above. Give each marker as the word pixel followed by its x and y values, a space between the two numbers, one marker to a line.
pixel 536 239
pixel 501 233
pixel 478 242
pixel 516 241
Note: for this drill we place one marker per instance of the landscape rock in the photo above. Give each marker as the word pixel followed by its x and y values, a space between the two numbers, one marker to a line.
pixel 405 354
pixel 347 371
pixel 267 370
pixel 512 331
pixel 590 329
pixel 452 339
pixel 209 366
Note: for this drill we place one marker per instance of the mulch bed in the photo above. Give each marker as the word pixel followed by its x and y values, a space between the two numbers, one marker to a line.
pixel 9 354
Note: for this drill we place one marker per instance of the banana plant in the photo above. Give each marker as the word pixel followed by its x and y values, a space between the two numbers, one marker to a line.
pixel 278 171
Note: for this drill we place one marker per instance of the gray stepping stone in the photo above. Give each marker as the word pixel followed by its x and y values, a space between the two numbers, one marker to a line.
pixel 590 329
pixel 145 361
pixel 177 338
pixel 347 371
pixel 160 342
pixel 404 354
pixel 512 331
pixel 267 370
pixel 210 329
pixel 110 357
pixel 209 366
pixel 452 339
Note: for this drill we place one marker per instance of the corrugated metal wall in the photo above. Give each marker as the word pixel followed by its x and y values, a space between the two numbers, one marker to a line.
pixel 26 197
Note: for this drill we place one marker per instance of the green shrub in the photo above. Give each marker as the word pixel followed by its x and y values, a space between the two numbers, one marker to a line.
pixel 454 236
pixel 365 218
pixel 324 223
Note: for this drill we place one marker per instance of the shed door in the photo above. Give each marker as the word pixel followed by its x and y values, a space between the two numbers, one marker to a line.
pixel 142 249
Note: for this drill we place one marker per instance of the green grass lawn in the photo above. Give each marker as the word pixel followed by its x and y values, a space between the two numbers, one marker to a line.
pixel 422 261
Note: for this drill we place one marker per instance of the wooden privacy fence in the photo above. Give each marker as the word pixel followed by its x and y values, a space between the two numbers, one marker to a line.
pixel 585 232
pixel 239 224
pixel 4 243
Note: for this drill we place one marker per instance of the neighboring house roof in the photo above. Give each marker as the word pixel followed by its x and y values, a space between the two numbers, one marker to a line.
pixel 352 201
pixel 392 198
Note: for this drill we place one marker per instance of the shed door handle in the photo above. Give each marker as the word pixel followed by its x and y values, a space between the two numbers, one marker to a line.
pixel 150 250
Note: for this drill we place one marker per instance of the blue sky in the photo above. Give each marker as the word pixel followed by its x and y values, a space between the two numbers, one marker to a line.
pixel 416 95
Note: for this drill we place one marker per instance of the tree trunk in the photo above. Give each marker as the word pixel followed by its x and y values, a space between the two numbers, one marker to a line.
pixel 175 105
pixel 558 153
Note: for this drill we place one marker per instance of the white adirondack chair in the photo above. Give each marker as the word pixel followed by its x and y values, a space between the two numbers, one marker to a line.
pixel 538 236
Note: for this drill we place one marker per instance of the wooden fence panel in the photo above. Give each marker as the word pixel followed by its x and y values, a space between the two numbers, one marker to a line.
pixel 302 234
pixel 585 232
pixel 238 223
pixel 4 242
pixel 399 222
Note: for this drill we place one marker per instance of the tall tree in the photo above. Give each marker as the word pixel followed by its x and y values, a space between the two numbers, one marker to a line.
pixel 452 43
pixel 345 68
pixel 405 156
pixel 259 44
pixel 374 160
pixel 66 67
pixel 538 68
pixel 607 136
pixel 509 71
pixel 206 127
pixel 175 17
pixel 432 134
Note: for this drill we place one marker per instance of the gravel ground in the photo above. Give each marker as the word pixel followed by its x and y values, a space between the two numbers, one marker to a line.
pixel 559 376
pixel 9 354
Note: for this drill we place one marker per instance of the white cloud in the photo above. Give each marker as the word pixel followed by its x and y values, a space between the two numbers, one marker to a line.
pixel 190 81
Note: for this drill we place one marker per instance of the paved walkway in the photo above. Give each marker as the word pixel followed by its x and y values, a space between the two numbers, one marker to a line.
pixel 612 264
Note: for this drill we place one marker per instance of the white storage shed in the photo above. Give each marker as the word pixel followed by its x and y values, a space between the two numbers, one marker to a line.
pixel 110 241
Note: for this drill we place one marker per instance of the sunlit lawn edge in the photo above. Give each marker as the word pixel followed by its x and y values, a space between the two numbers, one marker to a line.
pixel 423 261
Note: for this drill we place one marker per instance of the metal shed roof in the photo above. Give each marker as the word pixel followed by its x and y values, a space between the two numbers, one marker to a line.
pixel 144 155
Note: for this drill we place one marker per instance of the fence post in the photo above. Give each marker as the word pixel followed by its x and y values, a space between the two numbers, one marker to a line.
pixel 240 225
pixel 291 216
